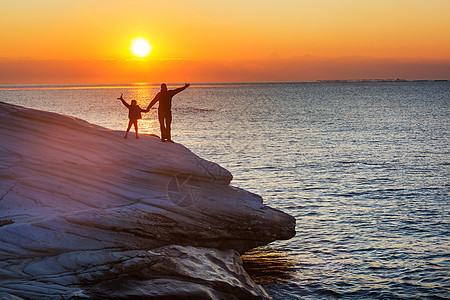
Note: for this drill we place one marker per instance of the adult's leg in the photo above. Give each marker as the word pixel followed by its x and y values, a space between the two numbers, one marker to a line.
pixel 162 126
pixel 168 126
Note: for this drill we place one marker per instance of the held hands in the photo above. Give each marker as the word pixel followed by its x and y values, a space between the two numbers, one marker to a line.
pixel 187 84
pixel 121 97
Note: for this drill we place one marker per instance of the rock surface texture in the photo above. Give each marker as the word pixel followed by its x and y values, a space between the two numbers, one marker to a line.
pixel 85 213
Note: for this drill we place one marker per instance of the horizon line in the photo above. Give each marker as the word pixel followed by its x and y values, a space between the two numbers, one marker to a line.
pixel 111 85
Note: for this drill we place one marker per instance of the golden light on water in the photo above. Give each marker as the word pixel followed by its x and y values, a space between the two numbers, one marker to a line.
pixel 140 47
pixel 269 264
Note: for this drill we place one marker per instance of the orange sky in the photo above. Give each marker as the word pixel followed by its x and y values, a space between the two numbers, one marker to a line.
pixel 203 40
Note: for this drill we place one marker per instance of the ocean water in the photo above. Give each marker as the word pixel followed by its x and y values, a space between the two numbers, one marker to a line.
pixel 364 167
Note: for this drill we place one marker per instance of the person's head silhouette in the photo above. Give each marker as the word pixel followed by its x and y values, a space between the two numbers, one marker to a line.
pixel 133 102
pixel 163 87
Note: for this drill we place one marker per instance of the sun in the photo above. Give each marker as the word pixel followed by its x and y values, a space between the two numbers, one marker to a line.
pixel 140 47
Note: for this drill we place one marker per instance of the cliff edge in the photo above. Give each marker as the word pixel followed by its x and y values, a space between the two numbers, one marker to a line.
pixel 85 213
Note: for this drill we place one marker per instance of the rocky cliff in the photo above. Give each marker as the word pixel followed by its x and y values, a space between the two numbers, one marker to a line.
pixel 85 213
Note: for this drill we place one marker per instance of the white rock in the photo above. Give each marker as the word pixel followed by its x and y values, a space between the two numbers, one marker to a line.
pixel 76 199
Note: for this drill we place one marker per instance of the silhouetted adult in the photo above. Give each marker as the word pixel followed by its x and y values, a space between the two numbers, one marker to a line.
pixel 165 109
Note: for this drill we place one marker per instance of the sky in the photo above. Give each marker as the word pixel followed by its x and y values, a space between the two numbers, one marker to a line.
pixel 88 41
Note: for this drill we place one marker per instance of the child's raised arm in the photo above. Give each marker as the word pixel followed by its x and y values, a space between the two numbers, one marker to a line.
pixel 123 101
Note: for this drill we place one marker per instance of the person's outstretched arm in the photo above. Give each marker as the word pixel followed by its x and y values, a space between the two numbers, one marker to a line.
pixel 123 101
pixel 180 89
pixel 156 99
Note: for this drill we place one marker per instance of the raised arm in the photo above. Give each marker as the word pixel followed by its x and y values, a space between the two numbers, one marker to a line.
pixel 180 89
pixel 123 101
pixel 156 99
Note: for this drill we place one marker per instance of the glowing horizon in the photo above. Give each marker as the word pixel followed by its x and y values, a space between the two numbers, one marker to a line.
pixel 212 36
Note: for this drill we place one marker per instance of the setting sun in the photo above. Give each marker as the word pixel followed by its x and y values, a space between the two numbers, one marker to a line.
pixel 140 47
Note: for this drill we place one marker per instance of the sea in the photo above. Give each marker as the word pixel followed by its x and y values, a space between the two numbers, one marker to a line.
pixel 363 166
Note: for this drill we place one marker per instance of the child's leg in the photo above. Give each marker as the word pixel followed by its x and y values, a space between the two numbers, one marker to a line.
pixel 136 128
pixel 128 129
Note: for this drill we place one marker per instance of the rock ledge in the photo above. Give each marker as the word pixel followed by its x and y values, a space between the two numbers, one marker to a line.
pixel 87 214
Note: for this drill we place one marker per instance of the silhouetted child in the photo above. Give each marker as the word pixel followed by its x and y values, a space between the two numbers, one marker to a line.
pixel 134 114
